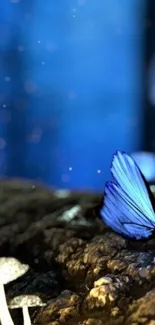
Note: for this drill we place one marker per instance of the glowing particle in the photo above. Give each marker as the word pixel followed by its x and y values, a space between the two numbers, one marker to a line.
pixel 4 105
pixel 70 168
pixel 43 63
pixel 73 16
pixel 39 42
pixel 99 171
pixel 7 78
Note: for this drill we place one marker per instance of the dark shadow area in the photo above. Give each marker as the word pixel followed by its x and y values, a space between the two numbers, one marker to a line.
pixel 149 117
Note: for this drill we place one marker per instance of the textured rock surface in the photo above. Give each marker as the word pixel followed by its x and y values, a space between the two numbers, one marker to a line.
pixel 85 273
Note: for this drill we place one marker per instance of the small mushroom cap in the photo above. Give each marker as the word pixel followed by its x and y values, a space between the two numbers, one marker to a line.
pixel 11 269
pixel 26 300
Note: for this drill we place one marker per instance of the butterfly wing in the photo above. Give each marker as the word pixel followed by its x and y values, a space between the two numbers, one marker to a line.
pixel 127 206
pixel 129 177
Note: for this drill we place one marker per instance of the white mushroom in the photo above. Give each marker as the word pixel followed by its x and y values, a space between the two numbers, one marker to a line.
pixel 10 269
pixel 24 302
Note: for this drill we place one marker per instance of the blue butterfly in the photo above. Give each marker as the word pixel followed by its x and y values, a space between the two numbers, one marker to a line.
pixel 128 206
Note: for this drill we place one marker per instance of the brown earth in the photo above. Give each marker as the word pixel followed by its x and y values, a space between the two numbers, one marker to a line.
pixel 85 273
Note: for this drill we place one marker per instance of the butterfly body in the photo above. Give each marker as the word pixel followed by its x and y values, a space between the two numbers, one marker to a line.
pixel 129 204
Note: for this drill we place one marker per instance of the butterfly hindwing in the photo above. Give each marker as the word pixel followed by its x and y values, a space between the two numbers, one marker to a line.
pixel 127 206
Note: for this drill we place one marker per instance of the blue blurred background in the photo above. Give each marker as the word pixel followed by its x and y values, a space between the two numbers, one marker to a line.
pixel 71 88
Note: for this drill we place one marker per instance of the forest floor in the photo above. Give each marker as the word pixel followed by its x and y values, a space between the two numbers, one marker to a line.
pixel 85 273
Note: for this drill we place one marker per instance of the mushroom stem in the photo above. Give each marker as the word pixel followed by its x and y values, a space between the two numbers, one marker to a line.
pixel 5 316
pixel 26 316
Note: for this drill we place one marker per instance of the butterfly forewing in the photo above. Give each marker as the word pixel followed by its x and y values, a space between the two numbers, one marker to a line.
pixel 127 206
pixel 128 176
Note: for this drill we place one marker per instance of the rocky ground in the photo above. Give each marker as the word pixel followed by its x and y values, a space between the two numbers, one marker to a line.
pixel 82 271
